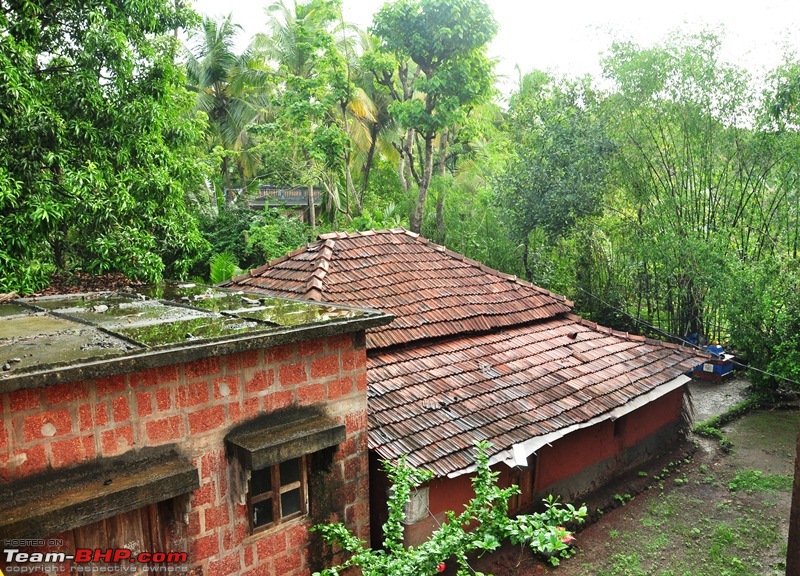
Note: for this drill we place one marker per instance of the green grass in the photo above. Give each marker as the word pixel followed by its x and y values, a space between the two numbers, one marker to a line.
pixel 757 481
pixel 679 534
pixel 624 565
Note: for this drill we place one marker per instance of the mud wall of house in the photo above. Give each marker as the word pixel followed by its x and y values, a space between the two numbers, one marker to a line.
pixel 193 405
pixel 588 458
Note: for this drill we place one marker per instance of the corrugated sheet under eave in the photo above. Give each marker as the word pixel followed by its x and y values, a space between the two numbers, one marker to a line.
pixel 519 453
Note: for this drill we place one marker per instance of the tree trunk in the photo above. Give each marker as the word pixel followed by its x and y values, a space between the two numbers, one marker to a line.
pixel 401 172
pixel 226 174
pixel 57 241
pixel 526 265
pixel 415 222
pixel 178 6
pixel 441 228
pixel 213 199
pixel 243 181
pixel 405 151
pixel 351 189
pixel 312 209
pixel 368 162
pixel 690 309
pixel 793 548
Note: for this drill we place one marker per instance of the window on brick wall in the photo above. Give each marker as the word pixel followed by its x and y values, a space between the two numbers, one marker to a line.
pixel 277 493
pixel 273 456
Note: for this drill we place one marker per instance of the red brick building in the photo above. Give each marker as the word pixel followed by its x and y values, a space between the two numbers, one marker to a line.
pixel 478 355
pixel 221 426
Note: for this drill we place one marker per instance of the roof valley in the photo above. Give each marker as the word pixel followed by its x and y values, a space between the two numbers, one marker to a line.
pixel 315 286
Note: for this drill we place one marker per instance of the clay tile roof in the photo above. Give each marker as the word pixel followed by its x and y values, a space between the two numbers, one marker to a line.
pixel 434 402
pixel 434 292
pixel 502 360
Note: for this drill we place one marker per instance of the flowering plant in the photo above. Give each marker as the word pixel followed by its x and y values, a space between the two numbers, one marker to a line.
pixel 481 527
pixel 544 532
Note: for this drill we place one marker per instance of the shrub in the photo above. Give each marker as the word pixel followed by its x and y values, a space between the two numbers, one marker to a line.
pixel 486 515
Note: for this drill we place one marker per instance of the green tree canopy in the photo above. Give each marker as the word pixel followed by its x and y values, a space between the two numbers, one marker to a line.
pixel 446 41
pixel 97 144
pixel 562 155
pixel 698 173
pixel 305 137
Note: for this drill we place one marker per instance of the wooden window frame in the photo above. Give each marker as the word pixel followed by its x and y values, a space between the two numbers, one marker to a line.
pixel 275 495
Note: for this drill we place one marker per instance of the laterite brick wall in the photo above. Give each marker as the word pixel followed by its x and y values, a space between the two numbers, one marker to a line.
pixel 194 405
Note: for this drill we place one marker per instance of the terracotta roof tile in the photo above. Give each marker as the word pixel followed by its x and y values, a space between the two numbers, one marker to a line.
pixel 495 358
pixel 432 291
pixel 436 400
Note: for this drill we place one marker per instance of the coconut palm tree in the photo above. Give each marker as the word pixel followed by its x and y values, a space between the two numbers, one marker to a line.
pixel 312 82
pixel 312 48
pixel 383 129
pixel 232 90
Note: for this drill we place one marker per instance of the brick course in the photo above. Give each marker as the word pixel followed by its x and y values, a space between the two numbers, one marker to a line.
pixel 193 405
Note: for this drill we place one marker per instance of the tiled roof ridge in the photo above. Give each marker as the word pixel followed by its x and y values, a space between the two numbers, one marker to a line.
pixel 252 273
pixel 455 255
pixel 627 335
pixel 315 283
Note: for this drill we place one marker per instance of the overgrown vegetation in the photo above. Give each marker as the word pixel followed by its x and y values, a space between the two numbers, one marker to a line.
pixel 241 239
pixel 665 203
pixel 480 528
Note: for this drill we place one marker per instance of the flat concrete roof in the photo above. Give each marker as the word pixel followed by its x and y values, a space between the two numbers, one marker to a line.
pixel 66 338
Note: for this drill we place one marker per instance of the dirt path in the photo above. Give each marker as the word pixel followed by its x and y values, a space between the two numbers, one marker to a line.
pixel 691 522
pixel 710 399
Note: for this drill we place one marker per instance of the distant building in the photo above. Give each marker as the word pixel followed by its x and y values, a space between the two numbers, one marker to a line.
pixel 473 355
pixel 290 200
pixel 216 425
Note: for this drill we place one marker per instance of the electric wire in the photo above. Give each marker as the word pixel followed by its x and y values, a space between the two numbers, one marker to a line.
pixel 685 342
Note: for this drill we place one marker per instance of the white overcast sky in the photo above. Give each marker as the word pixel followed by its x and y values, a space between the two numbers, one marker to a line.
pixel 570 36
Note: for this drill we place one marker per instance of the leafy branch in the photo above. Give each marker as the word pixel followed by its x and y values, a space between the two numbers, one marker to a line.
pixel 480 528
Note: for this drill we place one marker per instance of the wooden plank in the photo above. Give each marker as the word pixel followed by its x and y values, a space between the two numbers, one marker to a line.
pixel 63 500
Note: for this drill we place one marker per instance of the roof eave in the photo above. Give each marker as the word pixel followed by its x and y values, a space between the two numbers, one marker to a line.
pixel 517 454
